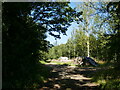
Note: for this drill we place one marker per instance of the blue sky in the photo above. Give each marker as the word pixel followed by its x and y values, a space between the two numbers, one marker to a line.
pixel 74 26
pixel 64 38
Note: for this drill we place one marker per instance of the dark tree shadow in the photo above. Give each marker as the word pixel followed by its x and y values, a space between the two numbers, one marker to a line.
pixel 58 79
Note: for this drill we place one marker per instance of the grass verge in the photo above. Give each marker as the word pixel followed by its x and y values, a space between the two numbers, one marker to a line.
pixel 108 77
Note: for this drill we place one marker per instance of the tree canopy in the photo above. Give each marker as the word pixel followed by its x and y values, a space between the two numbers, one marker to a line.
pixel 24 32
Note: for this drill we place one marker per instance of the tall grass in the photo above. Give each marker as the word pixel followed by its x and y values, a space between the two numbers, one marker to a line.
pixel 108 77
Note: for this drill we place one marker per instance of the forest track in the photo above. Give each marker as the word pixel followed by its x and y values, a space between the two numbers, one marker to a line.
pixel 64 77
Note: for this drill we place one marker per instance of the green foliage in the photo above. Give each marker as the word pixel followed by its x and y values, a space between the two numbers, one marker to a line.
pixel 114 50
pixel 75 46
pixel 80 42
pixel 108 79
pixel 108 44
pixel 58 51
pixel 104 42
pixel 24 44
pixel 70 48
pixel 21 45
pixel 56 16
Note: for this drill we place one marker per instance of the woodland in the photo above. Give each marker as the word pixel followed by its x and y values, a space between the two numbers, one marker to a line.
pixel 24 44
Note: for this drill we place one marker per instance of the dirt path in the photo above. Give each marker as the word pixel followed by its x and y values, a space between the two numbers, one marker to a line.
pixel 65 77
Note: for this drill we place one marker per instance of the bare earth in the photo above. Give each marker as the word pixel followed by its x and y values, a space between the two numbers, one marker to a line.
pixel 70 78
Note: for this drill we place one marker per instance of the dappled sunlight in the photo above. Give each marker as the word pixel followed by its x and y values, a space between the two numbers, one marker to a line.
pixel 65 77
pixel 78 77
pixel 108 79
pixel 90 52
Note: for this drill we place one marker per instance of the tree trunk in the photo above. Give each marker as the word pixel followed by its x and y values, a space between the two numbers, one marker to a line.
pixel 88 50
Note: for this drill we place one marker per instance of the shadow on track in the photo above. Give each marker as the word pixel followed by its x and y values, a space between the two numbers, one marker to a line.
pixel 64 77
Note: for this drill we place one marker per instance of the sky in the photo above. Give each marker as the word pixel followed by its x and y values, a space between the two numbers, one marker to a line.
pixel 64 38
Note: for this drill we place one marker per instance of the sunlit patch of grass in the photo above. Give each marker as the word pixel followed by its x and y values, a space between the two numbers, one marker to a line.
pixel 108 79
pixel 101 62
pixel 57 62
pixel 43 62
pixel 101 81
pixel 113 84
pixel 63 63
pixel 109 84
pixel 104 64
pixel 69 63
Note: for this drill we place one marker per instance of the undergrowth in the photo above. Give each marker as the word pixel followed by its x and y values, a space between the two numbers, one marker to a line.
pixel 108 77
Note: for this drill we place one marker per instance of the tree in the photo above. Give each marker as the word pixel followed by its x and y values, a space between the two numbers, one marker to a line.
pixel 56 17
pixel 108 12
pixel 58 51
pixel 22 39
pixel 114 50
pixel 88 21
pixel 24 44
pixel 80 41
